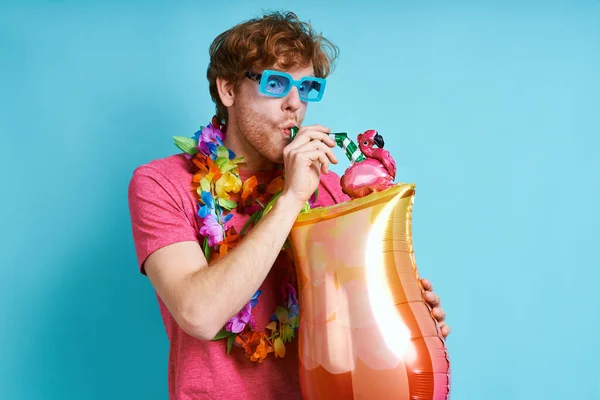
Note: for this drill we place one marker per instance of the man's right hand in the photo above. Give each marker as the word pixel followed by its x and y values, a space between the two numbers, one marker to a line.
pixel 304 159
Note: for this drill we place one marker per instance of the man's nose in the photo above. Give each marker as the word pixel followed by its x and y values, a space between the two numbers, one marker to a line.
pixel 292 100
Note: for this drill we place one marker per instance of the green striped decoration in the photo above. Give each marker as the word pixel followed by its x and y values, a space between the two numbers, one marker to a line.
pixel 350 148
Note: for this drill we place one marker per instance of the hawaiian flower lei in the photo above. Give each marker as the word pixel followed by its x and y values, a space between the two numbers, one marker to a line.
pixel 220 189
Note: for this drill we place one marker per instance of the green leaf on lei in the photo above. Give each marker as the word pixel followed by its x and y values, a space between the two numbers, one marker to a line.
pixel 228 166
pixel 223 333
pixel 294 322
pixel 270 204
pixel 281 314
pixel 186 144
pixel 305 208
pixel 223 152
pixel 287 333
pixel 204 185
pixel 221 163
pixel 207 249
pixel 283 332
pixel 253 217
pixel 230 341
pixel 237 160
pixel 227 204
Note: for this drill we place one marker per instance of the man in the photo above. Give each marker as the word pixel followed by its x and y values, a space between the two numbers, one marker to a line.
pixel 197 299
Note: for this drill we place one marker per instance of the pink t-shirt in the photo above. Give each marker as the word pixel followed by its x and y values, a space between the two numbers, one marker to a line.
pixel 163 209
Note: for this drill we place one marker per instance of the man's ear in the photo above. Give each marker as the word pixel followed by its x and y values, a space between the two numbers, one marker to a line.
pixel 226 92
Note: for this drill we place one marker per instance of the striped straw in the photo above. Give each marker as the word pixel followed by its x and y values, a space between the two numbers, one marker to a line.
pixel 350 148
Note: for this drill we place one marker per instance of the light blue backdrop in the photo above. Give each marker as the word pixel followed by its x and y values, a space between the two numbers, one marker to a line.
pixel 492 109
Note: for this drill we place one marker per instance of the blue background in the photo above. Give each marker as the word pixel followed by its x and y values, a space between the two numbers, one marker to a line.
pixel 491 108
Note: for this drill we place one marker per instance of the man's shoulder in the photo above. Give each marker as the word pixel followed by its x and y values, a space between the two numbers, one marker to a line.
pixel 171 167
pixel 163 175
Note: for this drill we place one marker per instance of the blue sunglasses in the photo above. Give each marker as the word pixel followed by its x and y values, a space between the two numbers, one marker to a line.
pixel 279 84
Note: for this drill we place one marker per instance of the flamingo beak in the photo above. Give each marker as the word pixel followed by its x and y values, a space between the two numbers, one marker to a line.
pixel 378 139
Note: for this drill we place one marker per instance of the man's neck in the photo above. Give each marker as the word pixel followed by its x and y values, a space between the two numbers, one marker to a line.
pixel 253 161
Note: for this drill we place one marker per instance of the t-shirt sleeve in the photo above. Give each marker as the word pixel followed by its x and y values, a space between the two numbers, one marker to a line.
pixel 157 213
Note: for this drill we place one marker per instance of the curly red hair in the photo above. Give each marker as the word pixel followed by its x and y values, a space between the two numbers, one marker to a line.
pixel 278 38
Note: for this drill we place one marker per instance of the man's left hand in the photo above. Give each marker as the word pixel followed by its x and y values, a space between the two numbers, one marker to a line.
pixel 434 301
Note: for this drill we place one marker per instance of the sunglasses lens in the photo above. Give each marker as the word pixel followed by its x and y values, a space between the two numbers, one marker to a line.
pixel 310 89
pixel 277 85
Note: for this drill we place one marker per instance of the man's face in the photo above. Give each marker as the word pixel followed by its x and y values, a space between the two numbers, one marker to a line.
pixel 263 122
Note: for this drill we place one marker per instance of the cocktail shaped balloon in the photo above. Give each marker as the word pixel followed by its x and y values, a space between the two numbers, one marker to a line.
pixel 366 331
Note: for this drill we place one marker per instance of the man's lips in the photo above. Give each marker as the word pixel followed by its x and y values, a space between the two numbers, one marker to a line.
pixel 287 129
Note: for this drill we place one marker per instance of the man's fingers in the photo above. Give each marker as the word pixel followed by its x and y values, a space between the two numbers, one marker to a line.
pixel 313 135
pixel 434 301
pixel 439 314
pixel 317 155
pixel 426 284
pixel 315 127
pixel 445 329
pixel 432 298
pixel 320 146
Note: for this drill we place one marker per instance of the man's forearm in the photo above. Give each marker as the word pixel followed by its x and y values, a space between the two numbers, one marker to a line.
pixel 214 294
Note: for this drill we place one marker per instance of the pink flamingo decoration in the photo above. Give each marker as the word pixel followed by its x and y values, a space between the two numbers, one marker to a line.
pixel 375 173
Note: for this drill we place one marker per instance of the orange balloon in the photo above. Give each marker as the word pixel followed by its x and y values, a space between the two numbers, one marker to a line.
pixel 366 331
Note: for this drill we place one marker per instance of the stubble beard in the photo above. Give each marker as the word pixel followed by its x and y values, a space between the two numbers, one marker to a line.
pixel 256 129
